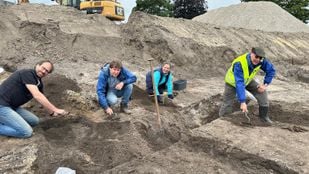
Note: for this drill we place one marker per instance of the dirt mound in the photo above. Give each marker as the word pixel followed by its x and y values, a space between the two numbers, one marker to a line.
pixel 265 16
pixel 192 138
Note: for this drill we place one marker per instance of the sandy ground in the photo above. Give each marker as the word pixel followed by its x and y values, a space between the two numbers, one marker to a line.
pixel 192 138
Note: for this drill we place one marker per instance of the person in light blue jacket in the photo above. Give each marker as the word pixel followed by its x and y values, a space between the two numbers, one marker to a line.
pixel 163 80
pixel 115 81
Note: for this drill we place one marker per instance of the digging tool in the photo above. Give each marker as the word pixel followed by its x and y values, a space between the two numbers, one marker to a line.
pixel 248 118
pixel 155 94
pixel 248 123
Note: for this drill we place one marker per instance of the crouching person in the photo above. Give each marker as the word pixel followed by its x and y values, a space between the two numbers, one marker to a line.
pixel 18 89
pixel 114 82
pixel 163 81
pixel 240 76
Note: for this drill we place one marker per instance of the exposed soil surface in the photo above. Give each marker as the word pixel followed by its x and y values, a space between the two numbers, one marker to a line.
pixel 192 138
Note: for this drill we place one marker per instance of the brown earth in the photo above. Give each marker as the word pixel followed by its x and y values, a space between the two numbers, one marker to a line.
pixel 192 138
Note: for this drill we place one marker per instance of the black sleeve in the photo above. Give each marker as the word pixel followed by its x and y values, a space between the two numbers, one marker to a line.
pixel 27 77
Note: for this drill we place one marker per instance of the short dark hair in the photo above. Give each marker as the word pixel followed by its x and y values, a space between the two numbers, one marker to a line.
pixel 115 64
pixel 46 61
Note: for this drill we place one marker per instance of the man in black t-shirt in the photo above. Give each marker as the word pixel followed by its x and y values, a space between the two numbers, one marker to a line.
pixel 18 89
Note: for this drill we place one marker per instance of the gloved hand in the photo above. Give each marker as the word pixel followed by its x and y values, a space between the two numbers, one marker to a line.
pixel 170 96
pixel 159 99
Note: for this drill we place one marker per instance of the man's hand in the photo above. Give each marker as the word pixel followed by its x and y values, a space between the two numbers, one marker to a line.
pixel 262 88
pixel 119 86
pixel 59 112
pixel 109 111
pixel 243 107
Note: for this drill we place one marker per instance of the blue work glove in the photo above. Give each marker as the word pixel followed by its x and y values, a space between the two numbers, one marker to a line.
pixel 159 99
pixel 170 96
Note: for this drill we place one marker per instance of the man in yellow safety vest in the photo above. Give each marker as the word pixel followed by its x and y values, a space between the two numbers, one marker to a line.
pixel 240 77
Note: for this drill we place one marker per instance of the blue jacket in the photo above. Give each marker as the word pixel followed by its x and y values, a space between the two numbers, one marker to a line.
pixel 266 66
pixel 124 76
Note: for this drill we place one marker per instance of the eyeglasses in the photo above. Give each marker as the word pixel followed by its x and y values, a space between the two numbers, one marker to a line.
pixel 45 69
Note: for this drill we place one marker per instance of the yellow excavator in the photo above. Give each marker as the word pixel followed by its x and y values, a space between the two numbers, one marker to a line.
pixel 108 8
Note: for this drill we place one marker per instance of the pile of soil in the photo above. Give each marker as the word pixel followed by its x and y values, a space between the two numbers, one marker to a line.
pixel 265 16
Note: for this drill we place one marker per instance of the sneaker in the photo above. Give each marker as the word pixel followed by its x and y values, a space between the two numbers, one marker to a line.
pixel 124 108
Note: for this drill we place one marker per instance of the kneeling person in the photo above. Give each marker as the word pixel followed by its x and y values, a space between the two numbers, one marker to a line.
pixel 114 82
pixel 18 89
pixel 163 80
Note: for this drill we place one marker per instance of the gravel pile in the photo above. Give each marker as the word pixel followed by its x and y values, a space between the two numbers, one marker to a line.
pixel 265 16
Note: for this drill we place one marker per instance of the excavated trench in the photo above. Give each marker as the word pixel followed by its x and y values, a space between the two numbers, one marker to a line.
pixel 291 118
pixel 95 147
pixel 242 162
pixel 89 147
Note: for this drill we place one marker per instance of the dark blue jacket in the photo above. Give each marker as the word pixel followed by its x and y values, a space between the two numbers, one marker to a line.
pixel 124 76
pixel 266 66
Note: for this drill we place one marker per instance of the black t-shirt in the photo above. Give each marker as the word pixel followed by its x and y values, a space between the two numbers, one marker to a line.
pixel 13 91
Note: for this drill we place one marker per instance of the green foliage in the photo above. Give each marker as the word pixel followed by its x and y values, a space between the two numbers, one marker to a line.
pixel 188 9
pixel 155 7
pixel 298 8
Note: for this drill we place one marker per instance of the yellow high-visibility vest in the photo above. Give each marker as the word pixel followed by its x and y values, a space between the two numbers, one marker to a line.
pixel 229 77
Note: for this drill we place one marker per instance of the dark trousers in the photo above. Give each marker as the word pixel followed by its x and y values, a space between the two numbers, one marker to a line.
pixel 161 89
pixel 230 98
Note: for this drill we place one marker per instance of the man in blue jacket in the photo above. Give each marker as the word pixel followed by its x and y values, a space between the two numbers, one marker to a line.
pixel 240 76
pixel 115 81
pixel 163 80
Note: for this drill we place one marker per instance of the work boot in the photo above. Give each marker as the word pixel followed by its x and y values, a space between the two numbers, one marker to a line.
pixel 263 115
pixel 124 108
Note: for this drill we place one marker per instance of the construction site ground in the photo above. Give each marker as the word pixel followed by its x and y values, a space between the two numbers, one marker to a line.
pixel 192 137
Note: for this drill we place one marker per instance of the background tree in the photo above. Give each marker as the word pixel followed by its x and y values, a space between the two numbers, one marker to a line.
pixel 155 7
pixel 298 8
pixel 188 9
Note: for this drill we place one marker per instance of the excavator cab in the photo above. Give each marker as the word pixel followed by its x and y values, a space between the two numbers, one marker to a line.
pixel 108 8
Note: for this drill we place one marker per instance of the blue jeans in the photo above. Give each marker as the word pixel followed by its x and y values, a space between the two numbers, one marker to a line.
pixel 17 123
pixel 113 95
